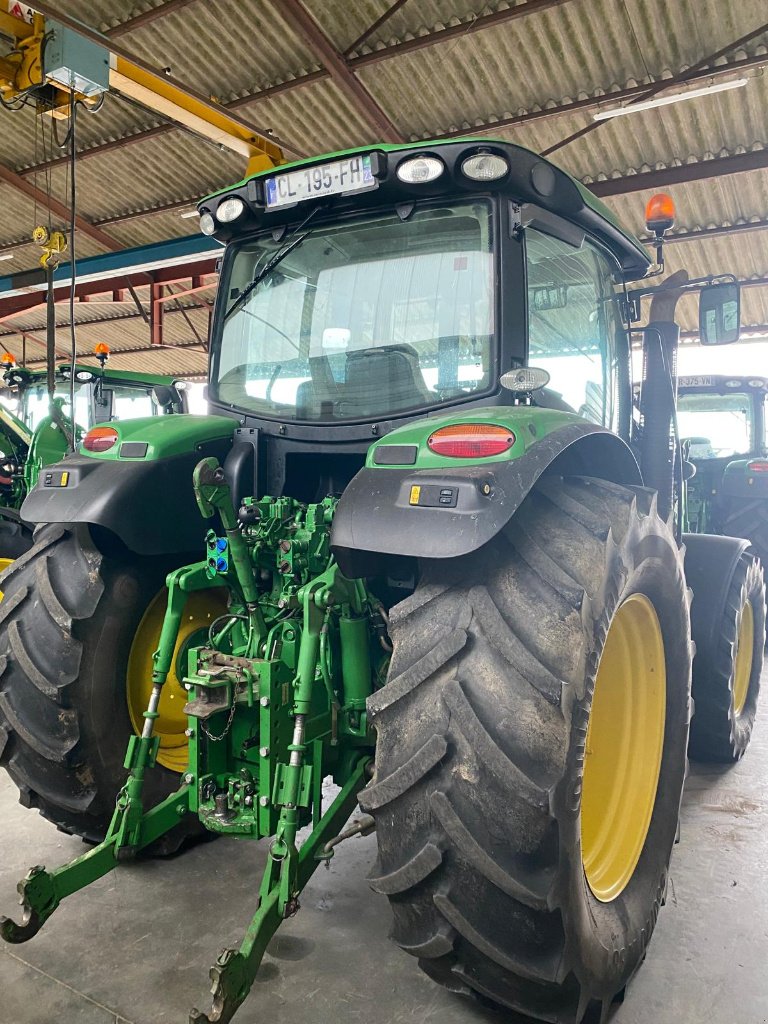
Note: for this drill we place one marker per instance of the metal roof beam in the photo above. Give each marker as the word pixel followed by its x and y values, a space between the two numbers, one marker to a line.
pixel 662 86
pixel 392 9
pixel 15 305
pixel 592 102
pixel 119 317
pixel 444 35
pixel 714 231
pixel 701 171
pixel 302 22
pixel 153 14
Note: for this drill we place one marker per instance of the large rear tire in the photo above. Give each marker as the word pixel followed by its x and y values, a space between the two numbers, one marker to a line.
pixel 726 686
pixel 524 823
pixel 750 521
pixel 15 537
pixel 69 622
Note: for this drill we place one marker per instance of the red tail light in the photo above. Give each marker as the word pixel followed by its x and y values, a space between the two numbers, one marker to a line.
pixel 471 440
pixel 100 439
pixel 757 466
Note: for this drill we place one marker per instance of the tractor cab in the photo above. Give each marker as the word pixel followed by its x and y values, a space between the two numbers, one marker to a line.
pixel 100 394
pixel 722 423
pixel 381 287
pixel 38 432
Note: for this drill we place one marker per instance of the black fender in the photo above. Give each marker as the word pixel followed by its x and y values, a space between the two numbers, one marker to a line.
pixel 740 482
pixel 710 562
pixel 375 518
pixel 149 505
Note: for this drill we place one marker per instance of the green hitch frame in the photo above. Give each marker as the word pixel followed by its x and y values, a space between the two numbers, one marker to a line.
pixel 339 682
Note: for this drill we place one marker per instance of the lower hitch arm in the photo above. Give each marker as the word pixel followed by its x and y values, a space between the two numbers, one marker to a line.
pixel 131 828
pixel 234 972
pixel 39 900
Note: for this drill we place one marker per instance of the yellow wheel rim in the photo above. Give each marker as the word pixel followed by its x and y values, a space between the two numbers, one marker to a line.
pixel 4 563
pixel 200 611
pixel 625 737
pixel 745 646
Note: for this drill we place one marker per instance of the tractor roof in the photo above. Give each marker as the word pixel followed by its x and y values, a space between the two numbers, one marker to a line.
pixel 563 195
pixel 115 376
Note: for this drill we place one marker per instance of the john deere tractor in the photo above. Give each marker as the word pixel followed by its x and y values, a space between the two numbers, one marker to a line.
pixel 40 433
pixel 723 420
pixel 422 547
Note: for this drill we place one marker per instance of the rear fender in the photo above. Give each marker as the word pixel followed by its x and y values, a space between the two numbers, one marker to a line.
pixel 741 482
pixel 141 488
pixel 397 511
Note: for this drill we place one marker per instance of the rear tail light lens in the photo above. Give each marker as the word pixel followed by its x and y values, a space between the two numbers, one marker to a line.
pixel 471 440
pixel 100 439
pixel 757 466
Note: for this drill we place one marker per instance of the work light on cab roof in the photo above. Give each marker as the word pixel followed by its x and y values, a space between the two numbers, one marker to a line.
pixel 420 169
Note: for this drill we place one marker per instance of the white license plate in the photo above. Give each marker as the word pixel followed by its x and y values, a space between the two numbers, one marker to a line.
pixel 352 174
pixel 695 382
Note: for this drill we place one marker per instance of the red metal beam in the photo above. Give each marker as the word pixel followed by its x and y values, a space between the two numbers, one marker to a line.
pixel 156 313
pixel 153 14
pixel 393 9
pixel 195 290
pixel 701 171
pixel 445 35
pixel 302 22
pixel 14 305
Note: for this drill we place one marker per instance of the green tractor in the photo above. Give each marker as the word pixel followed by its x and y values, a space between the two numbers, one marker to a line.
pixel 40 433
pixel 723 421
pixel 412 550
pixel 721 424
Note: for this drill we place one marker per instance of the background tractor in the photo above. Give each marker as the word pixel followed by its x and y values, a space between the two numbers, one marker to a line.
pixel 723 420
pixel 444 565
pixel 39 431
pixel 722 426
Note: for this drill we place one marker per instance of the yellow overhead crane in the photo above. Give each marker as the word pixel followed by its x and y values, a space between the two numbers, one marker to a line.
pixel 53 56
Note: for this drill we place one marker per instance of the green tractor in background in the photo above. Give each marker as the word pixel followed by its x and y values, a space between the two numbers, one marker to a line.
pixel 39 433
pixel 722 428
pixel 723 421
pixel 444 564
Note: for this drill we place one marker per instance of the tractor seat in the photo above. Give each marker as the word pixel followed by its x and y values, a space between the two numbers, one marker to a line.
pixel 383 380
pixel 377 381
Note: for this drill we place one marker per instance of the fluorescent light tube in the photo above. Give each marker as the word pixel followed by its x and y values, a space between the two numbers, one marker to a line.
pixel 189 214
pixel 675 97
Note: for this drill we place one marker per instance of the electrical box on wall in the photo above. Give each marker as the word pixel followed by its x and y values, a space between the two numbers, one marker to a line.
pixel 73 62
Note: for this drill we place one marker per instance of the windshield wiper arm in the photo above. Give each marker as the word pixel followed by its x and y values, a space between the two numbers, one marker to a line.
pixel 266 269
pixel 269 266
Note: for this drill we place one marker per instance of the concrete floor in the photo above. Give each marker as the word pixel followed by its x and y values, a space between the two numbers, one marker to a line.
pixel 136 947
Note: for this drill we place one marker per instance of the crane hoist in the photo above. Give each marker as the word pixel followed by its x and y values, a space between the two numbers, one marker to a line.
pixel 52 57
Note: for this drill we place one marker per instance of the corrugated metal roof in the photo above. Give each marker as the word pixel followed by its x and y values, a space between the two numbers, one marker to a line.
pixel 578 50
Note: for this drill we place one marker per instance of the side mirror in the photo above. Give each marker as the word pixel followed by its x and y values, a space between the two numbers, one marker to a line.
pixel 166 396
pixel 103 401
pixel 720 314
